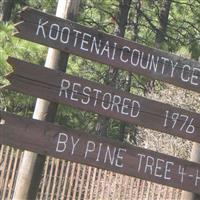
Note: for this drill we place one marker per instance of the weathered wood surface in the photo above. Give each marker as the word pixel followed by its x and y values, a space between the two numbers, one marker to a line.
pixel 53 140
pixel 92 44
pixel 89 96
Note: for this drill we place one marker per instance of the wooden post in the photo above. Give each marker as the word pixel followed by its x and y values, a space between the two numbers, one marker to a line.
pixel 196 158
pixel 31 166
pixel 6 10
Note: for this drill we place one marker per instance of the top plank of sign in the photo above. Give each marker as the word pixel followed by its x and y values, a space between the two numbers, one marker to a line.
pixel 95 45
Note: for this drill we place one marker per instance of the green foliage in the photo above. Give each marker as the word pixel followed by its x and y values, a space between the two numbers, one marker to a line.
pixel 48 6
pixel 99 14
pixel 5 48
pixel 11 46
pixel 76 119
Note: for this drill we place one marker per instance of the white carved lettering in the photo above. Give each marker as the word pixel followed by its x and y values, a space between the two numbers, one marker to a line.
pixel 106 102
pixel 185 73
pixel 89 148
pixel 126 50
pixel 106 49
pixel 95 46
pixel 135 110
pixel 135 57
pixel 54 31
pixel 74 143
pixel 85 41
pixel 40 27
pixel 65 84
pixel 119 159
pixel 116 102
pixel 87 95
pixel 195 76
pixel 125 107
pixel 61 143
pixel 75 91
pixel 65 32
pixel 77 33
pixel 110 156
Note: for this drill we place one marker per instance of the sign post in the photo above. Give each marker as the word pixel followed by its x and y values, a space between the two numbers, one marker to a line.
pixel 30 171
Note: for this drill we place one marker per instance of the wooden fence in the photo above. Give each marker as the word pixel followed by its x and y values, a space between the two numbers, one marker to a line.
pixel 66 180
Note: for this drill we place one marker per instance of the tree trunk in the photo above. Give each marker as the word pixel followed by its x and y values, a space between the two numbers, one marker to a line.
pixel 7 6
pixel 160 34
pixel 123 125
pixel 163 22
pixel 122 128
pixel 111 79
pixel 31 166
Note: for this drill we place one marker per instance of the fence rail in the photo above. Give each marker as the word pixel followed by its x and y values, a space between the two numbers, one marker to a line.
pixel 66 180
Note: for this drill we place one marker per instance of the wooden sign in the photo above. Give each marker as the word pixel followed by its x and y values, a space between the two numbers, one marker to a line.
pixel 48 139
pixel 89 96
pixel 92 44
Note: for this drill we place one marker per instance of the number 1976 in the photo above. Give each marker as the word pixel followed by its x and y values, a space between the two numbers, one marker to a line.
pixel 185 122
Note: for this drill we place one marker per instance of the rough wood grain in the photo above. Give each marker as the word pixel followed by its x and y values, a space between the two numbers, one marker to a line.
pixel 45 138
pixel 98 46
pixel 89 96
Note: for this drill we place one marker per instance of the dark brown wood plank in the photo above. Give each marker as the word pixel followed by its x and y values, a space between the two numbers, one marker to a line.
pixel 53 140
pixel 92 44
pixel 89 96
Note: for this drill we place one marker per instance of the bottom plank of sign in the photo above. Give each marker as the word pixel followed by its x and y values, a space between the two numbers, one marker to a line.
pixel 53 140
